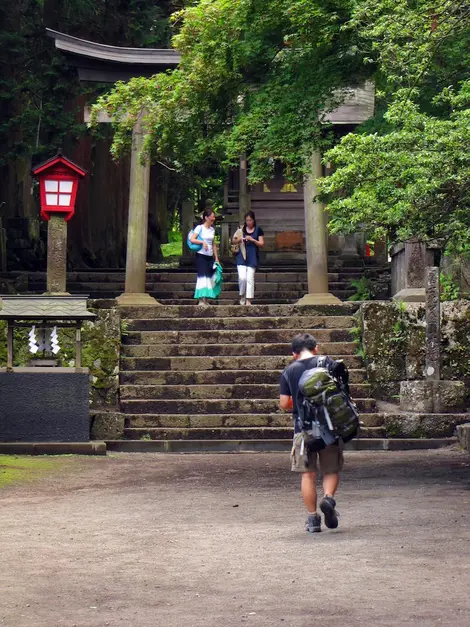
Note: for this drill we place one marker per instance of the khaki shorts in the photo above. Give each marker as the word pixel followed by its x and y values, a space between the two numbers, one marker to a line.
pixel 331 457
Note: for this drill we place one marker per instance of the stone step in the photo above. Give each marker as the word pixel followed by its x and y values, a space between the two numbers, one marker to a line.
pixel 231 301
pixel 237 311
pixel 214 377
pixel 416 425
pixel 187 274
pixel 231 298
pixel 209 421
pixel 227 433
pixel 216 406
pixel 232 337
pixel 177 287
pixel 226 350
pixel 238 323
pixel 217 391
pixel 268 446
pixel 221 363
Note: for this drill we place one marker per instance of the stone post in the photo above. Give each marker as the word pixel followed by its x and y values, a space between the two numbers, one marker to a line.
pixel 433 325
pixel 134 294
pixel 409 260
pixel 56 255
pixel 432 395
pixel 381 252
pixel 316 241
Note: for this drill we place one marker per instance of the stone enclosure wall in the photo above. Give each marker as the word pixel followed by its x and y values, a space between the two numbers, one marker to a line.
pixel 392 337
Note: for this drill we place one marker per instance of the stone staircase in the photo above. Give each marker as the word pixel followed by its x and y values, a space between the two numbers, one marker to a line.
pixel 275 283
pixel 212 373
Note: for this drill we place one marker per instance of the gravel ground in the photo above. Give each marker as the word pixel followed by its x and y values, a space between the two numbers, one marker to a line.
pixel 144 540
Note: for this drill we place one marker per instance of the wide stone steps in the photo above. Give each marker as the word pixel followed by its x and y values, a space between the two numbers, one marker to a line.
pixel 206 421
pixel 228 350
pixel 212 373
pixel 215 377
pixel 174 288
pixel 230 336
pixel 234 433
pixel 237 311
pixel 214 406
pixel 212 391
pixel 248 322
pixel 238 362
pixel 231 298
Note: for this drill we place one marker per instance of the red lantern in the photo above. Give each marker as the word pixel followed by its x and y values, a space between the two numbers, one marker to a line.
pixel 58 183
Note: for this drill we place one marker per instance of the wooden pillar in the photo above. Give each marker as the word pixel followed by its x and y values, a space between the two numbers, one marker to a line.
pixel 134 294
pixel 316 240
pixel 56 255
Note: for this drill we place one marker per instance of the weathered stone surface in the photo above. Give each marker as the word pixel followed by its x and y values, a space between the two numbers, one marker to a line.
pixel 422 425
pixel 393 341
pixel 106 425
pixel 463 435
pixel 433 325
pixel 432 396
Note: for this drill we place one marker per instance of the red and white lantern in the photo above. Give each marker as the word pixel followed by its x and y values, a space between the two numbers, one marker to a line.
pixel 58 184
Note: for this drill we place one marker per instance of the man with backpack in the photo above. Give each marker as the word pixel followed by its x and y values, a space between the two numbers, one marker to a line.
pixel 325 447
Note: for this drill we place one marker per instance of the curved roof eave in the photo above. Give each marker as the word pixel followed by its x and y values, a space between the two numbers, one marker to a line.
pixel 114 54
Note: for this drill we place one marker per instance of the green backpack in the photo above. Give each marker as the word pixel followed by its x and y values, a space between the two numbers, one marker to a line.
pixel 324 404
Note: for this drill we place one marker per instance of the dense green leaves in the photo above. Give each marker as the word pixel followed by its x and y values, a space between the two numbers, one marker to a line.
pixel 411 176
pixel 256 77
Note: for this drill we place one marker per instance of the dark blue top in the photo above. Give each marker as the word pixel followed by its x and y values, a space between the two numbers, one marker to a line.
pixel 252 250
pixel 289 382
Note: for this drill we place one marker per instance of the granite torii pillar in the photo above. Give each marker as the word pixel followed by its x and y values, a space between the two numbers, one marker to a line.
pixel 136 258
pixel 316 240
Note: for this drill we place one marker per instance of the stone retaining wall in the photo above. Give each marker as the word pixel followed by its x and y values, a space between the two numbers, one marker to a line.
pixel 392 336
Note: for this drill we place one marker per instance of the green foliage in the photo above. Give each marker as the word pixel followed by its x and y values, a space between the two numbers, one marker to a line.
pixel 255 77
pixel 362 286
pixel 408 171
pixel 174 248
pixel 450 290
pixel 413 180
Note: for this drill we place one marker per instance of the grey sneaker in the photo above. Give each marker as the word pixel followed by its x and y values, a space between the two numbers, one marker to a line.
pixel 327 506
pixel 313 523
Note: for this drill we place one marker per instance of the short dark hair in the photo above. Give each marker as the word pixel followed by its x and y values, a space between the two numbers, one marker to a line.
pixel 304 341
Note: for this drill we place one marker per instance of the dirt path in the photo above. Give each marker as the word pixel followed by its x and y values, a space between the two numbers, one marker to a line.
pixel 206 541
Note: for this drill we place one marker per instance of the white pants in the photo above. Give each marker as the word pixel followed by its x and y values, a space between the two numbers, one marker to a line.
pixel 246 281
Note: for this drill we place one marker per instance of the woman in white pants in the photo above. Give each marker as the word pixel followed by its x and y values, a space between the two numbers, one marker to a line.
pixel 253 238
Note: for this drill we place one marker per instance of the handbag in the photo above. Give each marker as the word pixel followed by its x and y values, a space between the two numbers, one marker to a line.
pixel 236 247
pixel 190 244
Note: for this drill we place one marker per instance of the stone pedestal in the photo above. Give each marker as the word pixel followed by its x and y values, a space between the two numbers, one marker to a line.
pixel 56 255
pixel 44 405
pixel 434 397
pixel 137 226
pixel 316 241
pixel 409 261
pixel 381 252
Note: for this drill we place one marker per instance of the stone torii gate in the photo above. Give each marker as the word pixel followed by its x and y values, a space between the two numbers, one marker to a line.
pixel 108 64
pixel 101 63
